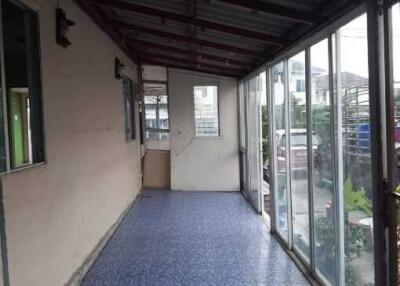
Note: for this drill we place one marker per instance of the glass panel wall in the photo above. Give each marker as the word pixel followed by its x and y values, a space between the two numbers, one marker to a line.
pixel 322 170
pixel 299 153
pixel 322 164
pixel 280 153
pixel 266 167
pixel 354 153
pixel 253 143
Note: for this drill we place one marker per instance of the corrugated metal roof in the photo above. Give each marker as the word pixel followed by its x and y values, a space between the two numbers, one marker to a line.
pixel 220 36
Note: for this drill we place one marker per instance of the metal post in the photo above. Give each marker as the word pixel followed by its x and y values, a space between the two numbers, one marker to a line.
pixel 335 93
pixel 310 164
pixel 288 170
pixel 271 140
pixel 377 121
pixel 392 253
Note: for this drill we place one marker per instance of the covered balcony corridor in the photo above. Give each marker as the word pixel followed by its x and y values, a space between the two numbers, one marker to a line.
pixel 193 238
pixel 199 142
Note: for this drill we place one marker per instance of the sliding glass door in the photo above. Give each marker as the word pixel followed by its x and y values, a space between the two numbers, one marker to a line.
pixel 322 168
pixel 298 138
pixel 253 143
pixel 354 151
pixel 251 98
pixel 281 179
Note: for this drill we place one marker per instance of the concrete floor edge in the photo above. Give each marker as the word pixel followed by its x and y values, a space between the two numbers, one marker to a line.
pixel 79 274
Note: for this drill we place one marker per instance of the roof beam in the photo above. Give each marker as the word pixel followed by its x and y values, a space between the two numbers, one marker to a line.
pixel 214 45
pixel 274 9
pixel 191 8
pixel 186 67
pixel 261 36
pixel 174 50
pixel 177 60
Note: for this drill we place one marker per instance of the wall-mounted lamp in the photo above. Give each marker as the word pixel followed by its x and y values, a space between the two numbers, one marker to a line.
pixel 118 68
pixel 62 28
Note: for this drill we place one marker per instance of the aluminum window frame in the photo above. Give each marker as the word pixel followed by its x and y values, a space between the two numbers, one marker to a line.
pixel 129 95
pixel 219 136
pixel 393 256
pixel 156 130
pixel 325 33
pixel 9 170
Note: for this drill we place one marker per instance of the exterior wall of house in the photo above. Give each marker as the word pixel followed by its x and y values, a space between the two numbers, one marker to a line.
pixel 56 213
pixel 203 164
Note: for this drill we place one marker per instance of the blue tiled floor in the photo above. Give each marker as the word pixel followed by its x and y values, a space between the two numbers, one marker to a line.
pixel 192 238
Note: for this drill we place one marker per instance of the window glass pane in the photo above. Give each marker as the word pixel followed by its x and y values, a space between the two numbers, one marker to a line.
pixel 281 203
pixel 265 143
pixel 324 211
pixel 156 111
pixel 206 111
pixel 298 154
pixel 253 142
pixel 22 73
pixel 163 116
pixel 355 153
pixel 150 111
pixel 129 110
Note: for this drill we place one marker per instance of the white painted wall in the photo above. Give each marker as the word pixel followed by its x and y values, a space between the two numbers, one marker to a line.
pixel 56 213
pixel 209 164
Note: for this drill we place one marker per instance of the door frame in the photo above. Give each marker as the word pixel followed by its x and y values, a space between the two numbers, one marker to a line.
pixel 392 198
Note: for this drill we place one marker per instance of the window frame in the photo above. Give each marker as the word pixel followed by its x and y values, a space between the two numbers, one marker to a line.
pixel 35 12
pixel 219 136
pixel 129 94
pixel 156 130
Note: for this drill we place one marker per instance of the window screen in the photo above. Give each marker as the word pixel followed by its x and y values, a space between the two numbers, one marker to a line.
pixel 206 111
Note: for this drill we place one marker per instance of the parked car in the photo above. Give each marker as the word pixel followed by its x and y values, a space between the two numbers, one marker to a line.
pixel 298 151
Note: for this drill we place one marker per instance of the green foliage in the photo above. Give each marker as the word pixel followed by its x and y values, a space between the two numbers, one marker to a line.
pixel 326 241
pixel 354 241
pixel 350 275
pixel 321 123
pixel 355 199
pixel 325 235
pixel 297 113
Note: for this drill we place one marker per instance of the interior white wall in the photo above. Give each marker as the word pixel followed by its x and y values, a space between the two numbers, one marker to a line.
pixel 56 213
pixel 203 164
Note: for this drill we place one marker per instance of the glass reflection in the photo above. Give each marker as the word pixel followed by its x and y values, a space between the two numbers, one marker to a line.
pixel 299 153
pixel 281 203
pixel 355 153
pixel 324 210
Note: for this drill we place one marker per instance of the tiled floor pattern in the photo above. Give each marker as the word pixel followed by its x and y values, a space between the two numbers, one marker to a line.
pixel 192 238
